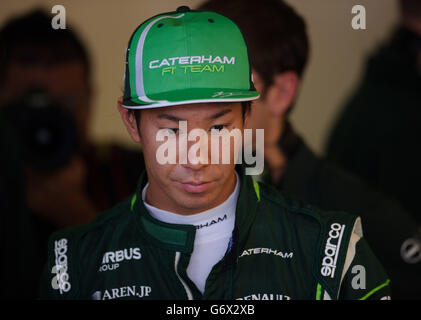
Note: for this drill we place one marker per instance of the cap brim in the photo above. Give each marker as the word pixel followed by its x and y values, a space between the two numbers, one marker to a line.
pixel 189 96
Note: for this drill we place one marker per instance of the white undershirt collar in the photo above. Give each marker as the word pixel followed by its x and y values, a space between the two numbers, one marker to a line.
pixel 213 233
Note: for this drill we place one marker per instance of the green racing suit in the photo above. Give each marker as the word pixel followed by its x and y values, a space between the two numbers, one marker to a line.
pixel 280 249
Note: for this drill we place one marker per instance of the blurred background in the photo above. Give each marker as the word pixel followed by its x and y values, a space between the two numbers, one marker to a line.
pixel 335 66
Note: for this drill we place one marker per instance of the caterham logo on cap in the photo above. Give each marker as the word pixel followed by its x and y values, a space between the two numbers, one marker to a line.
pixel 190 60
pixel 189 64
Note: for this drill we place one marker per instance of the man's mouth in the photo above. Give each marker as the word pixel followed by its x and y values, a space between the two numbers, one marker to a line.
pixel 195 186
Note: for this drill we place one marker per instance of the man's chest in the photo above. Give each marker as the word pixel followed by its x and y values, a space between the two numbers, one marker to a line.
pixel 136 272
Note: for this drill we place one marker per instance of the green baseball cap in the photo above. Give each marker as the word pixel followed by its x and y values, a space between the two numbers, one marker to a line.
pixel 186 57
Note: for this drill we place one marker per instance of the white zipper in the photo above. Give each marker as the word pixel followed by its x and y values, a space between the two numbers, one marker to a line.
pixel 177 259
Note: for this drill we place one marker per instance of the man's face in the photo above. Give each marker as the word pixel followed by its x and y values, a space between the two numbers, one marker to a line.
pixel 66 83
pixel 188 188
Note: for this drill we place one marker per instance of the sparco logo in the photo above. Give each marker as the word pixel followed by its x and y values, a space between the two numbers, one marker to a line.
pixel 110 260
pixel 333 244
pixel 61 280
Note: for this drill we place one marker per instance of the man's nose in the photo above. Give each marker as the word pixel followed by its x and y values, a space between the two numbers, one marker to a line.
pixel 196 153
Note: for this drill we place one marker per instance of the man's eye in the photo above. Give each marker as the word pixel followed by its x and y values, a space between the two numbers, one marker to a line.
pixel 172 130
pixel 218 127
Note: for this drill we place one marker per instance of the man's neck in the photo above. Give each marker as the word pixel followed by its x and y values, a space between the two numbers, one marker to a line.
pixel 273 130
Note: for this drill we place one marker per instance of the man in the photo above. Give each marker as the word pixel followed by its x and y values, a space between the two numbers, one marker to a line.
pixel 384 113
pixel 195 228
pixel 279 48
pixel 36 57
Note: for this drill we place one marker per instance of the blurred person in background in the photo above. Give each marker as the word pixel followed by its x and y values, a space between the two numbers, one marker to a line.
pixel 377 135
pixel 45 99
pixel 279 49
pixel 16 246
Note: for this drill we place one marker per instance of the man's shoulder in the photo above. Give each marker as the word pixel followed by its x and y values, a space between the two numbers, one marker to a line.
pixel 324 236
pixel 74 250
pixel 298 210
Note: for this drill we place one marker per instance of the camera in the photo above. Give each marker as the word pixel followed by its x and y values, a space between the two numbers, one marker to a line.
pixel 45 131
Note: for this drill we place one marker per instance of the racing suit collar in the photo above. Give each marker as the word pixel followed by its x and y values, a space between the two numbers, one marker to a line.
pixel 181 237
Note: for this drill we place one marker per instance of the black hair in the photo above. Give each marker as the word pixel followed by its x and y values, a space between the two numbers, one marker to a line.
pixel 411 8
pixel 275 34
pixel 31 40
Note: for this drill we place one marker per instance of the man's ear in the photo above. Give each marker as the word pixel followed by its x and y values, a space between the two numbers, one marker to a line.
pixel 257 81
pixel 128 120
pixel 281 94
